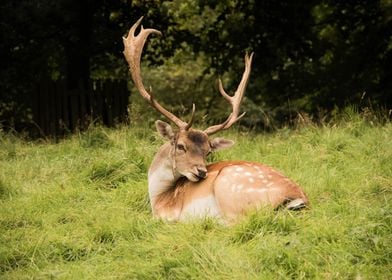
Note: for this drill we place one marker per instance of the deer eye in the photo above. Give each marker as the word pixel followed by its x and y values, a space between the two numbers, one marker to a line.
pixel 180 147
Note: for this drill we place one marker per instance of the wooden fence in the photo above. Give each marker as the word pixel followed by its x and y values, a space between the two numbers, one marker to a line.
pixel 58 110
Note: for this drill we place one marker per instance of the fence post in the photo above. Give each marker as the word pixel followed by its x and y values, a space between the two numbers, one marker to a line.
pixel 57 109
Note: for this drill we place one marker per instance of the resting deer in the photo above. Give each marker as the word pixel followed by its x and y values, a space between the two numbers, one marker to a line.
pixel 180 183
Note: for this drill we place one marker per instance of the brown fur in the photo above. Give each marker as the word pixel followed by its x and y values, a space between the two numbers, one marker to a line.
pixel 274 190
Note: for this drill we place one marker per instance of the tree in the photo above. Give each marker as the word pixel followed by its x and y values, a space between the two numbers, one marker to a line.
pixel 74 40
pixel 309 55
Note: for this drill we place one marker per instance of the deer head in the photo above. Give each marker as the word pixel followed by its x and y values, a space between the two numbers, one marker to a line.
pixel 189 147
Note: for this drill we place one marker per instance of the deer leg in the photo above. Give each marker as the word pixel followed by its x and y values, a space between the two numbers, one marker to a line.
pixel 296 204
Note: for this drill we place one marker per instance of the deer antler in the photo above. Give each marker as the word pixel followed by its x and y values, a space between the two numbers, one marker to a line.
pixel 133 48
pixel 234 100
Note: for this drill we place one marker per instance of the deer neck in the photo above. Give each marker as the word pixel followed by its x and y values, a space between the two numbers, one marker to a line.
pixel 161 175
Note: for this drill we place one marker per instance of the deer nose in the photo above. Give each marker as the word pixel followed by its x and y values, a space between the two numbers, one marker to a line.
pixel 202 172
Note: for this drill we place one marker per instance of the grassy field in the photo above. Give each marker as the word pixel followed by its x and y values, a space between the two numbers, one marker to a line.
pixel 78 209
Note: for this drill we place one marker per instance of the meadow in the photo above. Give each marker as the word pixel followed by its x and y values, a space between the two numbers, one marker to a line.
pixel 78 208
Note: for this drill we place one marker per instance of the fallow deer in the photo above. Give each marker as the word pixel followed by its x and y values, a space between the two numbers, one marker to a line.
pixel 180 183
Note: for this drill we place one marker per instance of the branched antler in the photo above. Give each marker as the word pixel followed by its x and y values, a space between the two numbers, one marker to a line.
pixel 234 100
pixel 133 48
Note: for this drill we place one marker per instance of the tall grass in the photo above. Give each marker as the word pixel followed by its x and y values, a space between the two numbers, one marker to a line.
pixel 79 209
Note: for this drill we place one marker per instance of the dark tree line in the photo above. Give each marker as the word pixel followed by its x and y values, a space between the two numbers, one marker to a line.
pixel 309 55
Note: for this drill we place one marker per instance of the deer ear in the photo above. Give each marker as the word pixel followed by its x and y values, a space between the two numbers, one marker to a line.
pixel 164 129
pixel 221 143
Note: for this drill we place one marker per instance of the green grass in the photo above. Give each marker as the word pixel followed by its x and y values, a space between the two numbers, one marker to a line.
pixel 78 209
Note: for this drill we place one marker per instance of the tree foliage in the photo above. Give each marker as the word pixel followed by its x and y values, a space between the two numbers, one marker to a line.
pixel 310 56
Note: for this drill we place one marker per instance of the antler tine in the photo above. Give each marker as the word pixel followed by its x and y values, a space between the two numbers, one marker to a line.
pixel 192 117
pixel 234 100
pixel 133 48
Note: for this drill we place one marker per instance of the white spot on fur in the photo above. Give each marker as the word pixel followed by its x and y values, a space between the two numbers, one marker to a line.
pixel 252 190
pixel 251 180
pixel 225 179
pixel 239 169
pixel 248 173
pixel 237 188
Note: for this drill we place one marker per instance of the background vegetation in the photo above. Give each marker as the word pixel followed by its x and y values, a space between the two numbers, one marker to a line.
pixel 313 57
pixel 78 209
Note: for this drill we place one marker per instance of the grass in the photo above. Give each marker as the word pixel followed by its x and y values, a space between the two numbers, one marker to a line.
pixel 78 209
